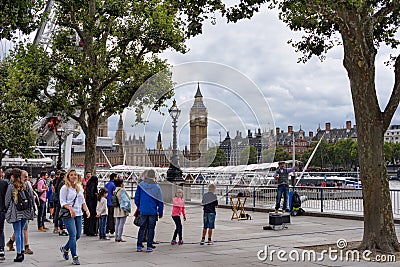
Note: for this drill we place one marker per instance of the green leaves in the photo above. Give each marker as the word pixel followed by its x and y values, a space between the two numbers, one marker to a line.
pixel 215 157
pixel 22 15
pixel 248 155
pixel 17 115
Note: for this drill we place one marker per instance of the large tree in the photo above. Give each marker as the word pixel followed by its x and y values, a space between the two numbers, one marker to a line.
pixel 248 155
pixel 101 53
pixel 215 157
pixel 364 26
pixel 17 115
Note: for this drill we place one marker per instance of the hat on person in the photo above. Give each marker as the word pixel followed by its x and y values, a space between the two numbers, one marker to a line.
pixel 52 173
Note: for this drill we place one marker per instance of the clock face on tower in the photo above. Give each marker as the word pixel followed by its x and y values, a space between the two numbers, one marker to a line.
pixel 202 118
pixel 193 117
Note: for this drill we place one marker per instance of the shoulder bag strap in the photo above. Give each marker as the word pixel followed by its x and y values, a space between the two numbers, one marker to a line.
pixel 73 204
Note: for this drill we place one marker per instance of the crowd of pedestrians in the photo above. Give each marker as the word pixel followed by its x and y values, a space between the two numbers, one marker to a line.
pixel 75 204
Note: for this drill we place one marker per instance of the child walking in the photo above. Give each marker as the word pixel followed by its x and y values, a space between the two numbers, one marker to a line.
pixel 209 202
pixel 178 208
pixel 102 213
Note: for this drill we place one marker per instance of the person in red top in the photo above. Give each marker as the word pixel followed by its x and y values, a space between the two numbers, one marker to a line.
pixel 85 180
pixel 42 189
pixel 178 208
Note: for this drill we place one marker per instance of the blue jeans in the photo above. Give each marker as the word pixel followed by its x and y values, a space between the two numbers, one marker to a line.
pixel 74 228
pixel 18 227
pixel 147 222
pixel 102 226
pixel 282 189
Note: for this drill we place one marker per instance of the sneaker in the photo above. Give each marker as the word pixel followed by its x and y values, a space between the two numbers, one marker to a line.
pixel 75 261
pixel 63 234
pixel 210 242
pixel 139 249
pixel 2 256
pixel 42 229
pixel 149 250
pixel 156 242
pixel 180 242
pixel 65 253
pixel 121 240
pixel 202 242
pixel 173 242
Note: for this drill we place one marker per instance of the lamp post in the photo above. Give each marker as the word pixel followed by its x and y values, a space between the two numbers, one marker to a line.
pixel 174 173
pixel 59 132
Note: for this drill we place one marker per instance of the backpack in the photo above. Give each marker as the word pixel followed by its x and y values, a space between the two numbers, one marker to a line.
pixel 114 199
pixel 296 201
pixel 35 185
pixel 24 201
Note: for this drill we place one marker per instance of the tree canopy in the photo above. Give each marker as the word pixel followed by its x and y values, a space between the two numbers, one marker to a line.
pixel 248 155
pixel 17 115
pixel 215 157
pixel 21 15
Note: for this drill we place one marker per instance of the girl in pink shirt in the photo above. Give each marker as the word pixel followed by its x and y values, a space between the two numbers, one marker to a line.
pixel 178 208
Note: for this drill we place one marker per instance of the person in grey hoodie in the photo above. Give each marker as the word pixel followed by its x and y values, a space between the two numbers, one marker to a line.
pixel 148 198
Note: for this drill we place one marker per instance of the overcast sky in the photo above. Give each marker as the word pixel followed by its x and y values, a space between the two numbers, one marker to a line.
pixel 306 95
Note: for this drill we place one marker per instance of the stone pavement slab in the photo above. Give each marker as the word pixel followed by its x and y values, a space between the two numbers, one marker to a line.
pixel 237 243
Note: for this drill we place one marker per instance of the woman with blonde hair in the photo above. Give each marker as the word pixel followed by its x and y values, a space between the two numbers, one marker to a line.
pixel 19 205
pixel 72 199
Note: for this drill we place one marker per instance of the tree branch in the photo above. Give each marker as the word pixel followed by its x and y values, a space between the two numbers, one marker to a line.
pixel 386 10
pixel 394 98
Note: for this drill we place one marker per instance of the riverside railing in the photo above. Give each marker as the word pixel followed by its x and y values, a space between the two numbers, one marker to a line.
pixel 317 199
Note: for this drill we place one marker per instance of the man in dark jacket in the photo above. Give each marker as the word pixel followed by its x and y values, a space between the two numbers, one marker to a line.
pixel 3 190
pixel 110 217
pixel 148 198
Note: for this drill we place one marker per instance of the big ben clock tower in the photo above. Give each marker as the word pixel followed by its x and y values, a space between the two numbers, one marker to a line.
pixel 198 129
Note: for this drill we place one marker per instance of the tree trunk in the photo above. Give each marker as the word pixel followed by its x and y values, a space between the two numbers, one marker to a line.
pixel 379 230
pixel 90 145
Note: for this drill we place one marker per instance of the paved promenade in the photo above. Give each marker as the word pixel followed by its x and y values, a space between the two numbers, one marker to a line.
pixel 236 243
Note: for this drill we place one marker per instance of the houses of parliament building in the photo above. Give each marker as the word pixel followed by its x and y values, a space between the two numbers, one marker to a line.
pixel 132 150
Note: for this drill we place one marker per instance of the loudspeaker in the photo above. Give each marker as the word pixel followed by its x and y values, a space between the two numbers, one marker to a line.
pixel 275 219
pixel 285 218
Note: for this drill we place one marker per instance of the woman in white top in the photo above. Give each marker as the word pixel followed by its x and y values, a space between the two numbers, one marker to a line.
pixel 71 198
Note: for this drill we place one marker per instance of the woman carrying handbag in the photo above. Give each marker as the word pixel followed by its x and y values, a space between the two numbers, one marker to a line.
pixel 19 205
pixel 72 202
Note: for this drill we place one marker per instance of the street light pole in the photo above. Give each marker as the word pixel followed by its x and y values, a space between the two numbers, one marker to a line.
pixel 174 173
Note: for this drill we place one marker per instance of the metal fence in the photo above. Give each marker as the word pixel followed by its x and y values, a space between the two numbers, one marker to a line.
pixel 318 199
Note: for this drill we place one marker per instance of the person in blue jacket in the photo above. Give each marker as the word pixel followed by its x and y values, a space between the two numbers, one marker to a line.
pixel 148 198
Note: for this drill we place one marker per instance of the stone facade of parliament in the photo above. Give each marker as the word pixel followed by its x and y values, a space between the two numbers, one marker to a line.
pixel 132 150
